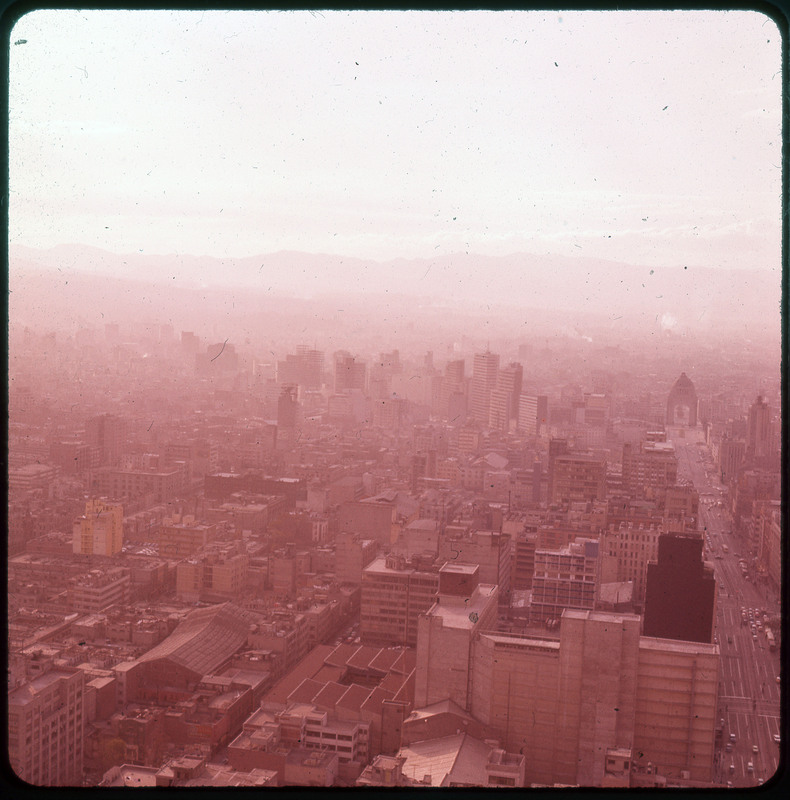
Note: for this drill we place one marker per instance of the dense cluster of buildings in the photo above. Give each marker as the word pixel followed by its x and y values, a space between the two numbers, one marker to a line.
pixel 338 570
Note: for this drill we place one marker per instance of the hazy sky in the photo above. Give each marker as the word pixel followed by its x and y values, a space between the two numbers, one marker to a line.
pixel 647 137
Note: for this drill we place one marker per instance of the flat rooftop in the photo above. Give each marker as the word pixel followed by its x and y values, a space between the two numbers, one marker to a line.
pixel 462 612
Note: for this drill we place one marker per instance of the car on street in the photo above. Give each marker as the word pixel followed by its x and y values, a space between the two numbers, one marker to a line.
pixel 755 749
pixel 777 738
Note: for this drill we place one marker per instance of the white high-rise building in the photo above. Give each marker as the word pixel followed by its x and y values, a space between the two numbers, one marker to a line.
pixel 484 377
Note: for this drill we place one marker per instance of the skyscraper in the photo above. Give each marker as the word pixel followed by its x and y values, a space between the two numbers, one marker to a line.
pixel 503 405
pixel 758 437
pixel 677 582
pixel 484 376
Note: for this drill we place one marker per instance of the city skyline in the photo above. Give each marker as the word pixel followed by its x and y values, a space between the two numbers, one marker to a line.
pixel 623 136
pixel 395 399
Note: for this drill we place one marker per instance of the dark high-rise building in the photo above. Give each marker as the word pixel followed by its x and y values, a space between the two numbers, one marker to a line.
pixel 288 406
pixel 305 367
pixel 758 441
pixel 349 373
pixel 680 593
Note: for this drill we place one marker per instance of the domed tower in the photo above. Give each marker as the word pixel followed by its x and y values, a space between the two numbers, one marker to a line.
pixel 682 403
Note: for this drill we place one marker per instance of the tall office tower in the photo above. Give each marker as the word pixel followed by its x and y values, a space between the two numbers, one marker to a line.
pixel 452 386
pixel 107 433
pixel 349 373
pixel 537 476
pixel 557 447
pixel 100 530
pixel 190 342
pixel 758 438
pixel 597 410
pixel 578 477
pixel 288 406
pixel 732 453
pixel 533 412
pixel 46 724
pixel 678 582
pixel 648 473
pixel 390 362
pixel 503 406
pixel 312 362
pixel 444 635
pixel 484 374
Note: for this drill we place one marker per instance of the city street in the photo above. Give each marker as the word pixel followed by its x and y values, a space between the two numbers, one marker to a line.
pixel 748 690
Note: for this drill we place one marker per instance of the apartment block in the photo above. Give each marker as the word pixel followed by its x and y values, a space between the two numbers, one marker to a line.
pixel 352 554
pixel 183 536
pixel 625 553
pixel 648 472
pixel 99 589
pixel 99 531
pixel 394 594
pixel 161 486
pixel 218 574
pixel 577 477
pixel 46 728
pixel 564 578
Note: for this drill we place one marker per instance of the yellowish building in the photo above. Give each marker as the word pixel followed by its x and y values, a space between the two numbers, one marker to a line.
pixel 100 530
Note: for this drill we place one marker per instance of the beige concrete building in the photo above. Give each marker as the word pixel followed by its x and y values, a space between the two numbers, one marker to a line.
pixel 648 472
pixel 352 554
pixel 99 589
pixel 46 728
pixel 625 553
pixel 676 696
pixel 599 704
pixel 491 550
pixel 184 536
pixel 445 633
pixel 394 594
pixel 218 574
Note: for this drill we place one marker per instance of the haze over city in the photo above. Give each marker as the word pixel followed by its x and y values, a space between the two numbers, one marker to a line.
pixel 394 399
pixel 647 138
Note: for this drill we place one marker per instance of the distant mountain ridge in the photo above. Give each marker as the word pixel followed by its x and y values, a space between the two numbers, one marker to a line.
pixel 467 281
